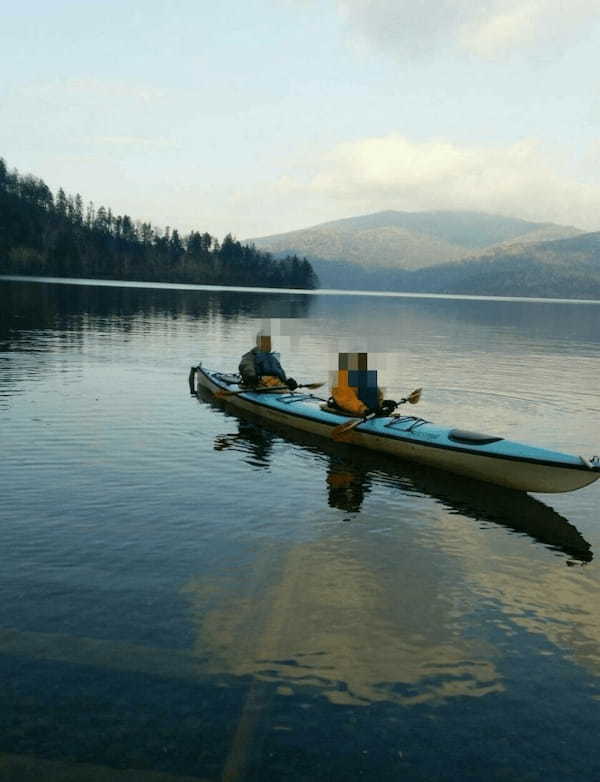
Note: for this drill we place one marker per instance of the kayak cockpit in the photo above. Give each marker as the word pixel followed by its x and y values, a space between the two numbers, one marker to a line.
pixel 472 438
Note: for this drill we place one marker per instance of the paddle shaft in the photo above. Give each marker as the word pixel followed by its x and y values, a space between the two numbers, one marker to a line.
pixel 265 390
pixel 343 428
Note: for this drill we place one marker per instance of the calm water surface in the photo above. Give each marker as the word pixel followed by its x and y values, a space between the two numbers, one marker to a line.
pixel 188 595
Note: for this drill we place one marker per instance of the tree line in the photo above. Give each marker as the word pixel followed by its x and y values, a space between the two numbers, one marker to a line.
pixel 57 235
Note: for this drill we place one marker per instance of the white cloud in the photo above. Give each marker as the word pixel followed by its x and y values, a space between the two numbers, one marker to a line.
pixel 488 28
pixel 393 172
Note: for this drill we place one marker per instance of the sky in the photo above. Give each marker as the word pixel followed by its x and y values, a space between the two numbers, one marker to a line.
pixel 263 116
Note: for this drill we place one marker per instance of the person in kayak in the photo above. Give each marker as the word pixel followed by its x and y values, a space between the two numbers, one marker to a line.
pixel 356 391
pixel 261 367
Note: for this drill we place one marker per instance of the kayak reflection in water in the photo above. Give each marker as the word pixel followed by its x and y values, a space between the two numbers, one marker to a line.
pixel 346 486
pixel 355 390
pixel 351 477
pixel 255 441
pixel 346 483
pixel 260 367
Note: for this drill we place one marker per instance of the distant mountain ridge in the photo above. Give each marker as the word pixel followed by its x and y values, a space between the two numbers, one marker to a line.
pixel 488 255
pixel 564 268
pixel 448 252
pixel 408 240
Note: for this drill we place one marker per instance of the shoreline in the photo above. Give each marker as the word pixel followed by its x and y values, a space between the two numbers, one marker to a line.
pixel 302 291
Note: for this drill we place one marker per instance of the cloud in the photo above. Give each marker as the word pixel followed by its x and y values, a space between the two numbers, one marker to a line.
pixel 488 28
pixel 392 172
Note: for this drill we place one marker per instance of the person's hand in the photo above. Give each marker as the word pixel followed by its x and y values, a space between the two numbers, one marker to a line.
pixel 388 406
pixel 291 384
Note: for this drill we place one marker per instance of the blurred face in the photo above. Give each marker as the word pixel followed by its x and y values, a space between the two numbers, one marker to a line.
pixel 264 344
pixel 352 361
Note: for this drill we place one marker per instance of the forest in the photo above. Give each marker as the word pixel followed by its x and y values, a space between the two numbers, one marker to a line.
pixel 57 235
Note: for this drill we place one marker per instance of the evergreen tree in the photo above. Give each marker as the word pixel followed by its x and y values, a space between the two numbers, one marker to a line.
pixel 42 234
pixel 61 203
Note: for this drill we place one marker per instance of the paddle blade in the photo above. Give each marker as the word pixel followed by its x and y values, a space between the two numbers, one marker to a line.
pixel 338 432
pixel 312 385
pixel 342 434
pixel 415 396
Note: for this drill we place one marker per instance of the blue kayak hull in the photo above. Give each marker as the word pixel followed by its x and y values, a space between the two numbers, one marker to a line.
pixel 495 460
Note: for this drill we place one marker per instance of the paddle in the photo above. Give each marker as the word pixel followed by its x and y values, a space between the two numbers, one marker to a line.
pixel 266 389
pixel 339 431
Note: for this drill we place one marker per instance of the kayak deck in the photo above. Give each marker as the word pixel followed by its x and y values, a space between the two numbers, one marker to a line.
pixel 483 457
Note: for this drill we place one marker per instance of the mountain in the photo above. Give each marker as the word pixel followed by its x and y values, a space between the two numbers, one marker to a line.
pixel 565 268
pixel 406 240
pixel 448 252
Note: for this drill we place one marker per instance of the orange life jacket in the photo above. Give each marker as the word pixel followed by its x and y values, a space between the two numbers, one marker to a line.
pixel 270 380
pixel 346 397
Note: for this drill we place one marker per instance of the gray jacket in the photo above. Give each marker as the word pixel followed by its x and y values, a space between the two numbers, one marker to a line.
pixel 255 364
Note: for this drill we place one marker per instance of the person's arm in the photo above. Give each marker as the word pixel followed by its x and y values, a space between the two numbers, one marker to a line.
pixel 247 368
pixel 268 364
pixel 277 369
pixel 289 381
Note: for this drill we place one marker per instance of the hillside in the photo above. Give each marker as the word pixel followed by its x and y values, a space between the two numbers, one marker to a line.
pixel 43 234
pixel 566 268
pixel 406 240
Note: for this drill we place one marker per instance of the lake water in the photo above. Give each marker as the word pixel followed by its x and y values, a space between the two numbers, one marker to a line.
pixel 188 595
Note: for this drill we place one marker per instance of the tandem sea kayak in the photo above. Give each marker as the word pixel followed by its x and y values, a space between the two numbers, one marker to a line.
pixel 476 455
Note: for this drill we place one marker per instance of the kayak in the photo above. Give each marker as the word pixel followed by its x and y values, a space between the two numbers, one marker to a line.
pixel 484 457
pixel 350 473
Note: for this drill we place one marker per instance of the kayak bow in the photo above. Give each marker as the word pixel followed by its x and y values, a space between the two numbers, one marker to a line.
pixel 483 457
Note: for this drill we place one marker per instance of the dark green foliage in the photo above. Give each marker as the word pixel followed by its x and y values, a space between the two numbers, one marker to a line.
pixel 43 235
